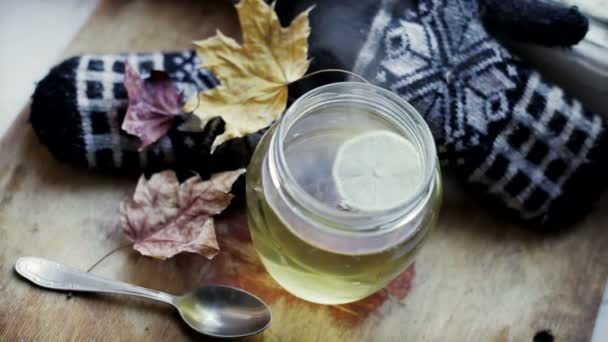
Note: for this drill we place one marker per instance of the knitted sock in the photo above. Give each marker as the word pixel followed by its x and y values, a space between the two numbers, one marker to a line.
pixel 497 124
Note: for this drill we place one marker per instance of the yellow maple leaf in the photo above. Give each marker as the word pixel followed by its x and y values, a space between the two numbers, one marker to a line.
pixel 254 76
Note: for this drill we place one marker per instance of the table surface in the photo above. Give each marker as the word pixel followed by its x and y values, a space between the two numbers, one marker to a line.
pixel 477 279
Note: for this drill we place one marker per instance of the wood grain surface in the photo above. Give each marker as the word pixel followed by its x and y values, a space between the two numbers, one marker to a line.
pixel 477 279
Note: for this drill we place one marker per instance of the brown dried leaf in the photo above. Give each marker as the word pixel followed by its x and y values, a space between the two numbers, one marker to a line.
pixel 153 103
pixel 166 218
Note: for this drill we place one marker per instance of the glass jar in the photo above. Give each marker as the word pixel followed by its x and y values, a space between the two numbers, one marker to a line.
pixel 311 241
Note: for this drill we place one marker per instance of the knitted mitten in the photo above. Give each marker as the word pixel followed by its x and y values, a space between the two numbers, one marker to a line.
pixel 497 124
pixel 78 108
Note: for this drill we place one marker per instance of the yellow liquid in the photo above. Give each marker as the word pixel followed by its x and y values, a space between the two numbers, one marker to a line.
pixel 315 274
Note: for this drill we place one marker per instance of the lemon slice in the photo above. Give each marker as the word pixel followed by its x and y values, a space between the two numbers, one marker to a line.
pixel 377 170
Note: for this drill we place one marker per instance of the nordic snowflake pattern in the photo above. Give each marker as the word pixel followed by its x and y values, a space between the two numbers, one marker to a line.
pixel 494 120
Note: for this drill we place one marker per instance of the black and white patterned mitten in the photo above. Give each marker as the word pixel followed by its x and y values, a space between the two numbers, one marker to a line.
pixel 498 125
pixel 78 108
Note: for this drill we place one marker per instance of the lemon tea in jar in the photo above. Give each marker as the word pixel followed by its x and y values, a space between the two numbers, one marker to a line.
pixel 342 191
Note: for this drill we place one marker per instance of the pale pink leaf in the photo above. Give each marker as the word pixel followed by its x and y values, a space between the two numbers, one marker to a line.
pixel 166 218
pixel 153 103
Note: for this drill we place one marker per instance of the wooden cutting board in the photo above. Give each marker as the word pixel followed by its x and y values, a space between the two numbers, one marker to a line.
pixel 477 279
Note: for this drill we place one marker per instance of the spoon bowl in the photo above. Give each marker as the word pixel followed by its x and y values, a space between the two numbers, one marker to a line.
pixel 214 310
pixel 223 311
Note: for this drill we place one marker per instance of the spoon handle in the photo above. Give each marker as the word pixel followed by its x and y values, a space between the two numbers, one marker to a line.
pixel 53 275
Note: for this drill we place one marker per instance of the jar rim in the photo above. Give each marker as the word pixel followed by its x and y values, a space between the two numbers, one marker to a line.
pixel 401 114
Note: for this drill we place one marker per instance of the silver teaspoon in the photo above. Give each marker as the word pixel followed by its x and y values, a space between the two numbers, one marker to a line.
pixel 219 311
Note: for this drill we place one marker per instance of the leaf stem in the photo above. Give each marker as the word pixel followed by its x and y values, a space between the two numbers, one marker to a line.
pixel 361 78
pixel 107 255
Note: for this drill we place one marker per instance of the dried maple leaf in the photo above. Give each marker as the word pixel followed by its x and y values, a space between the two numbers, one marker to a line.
pixel 254 76
pixel 165 218
pixel 153 103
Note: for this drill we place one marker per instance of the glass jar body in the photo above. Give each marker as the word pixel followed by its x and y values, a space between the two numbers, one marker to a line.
pixel 313 272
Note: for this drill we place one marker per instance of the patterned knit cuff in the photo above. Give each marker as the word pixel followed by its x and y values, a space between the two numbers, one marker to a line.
pixel 580 191
pixel 544 162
